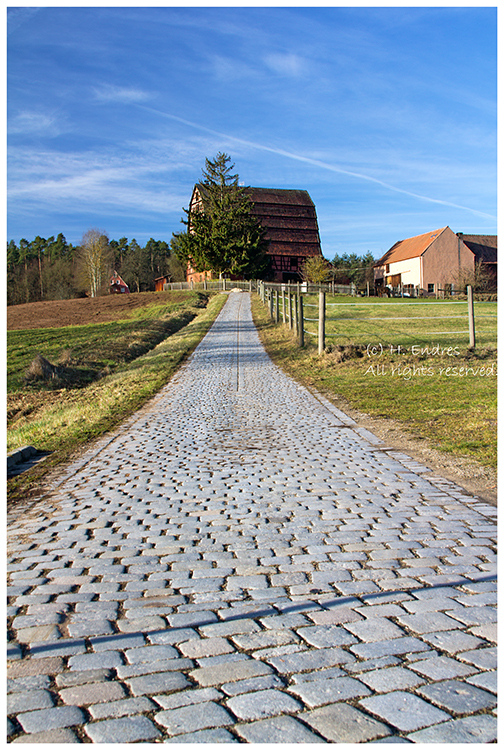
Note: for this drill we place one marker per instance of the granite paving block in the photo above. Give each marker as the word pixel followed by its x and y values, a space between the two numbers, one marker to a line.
pixel 452 641
pixel 457 697
pixel 51 737
pixel 188 697
pixel 127 729
pixel 428 622
pixel 158 682
pixel 28 701
pixel 106 660
pixel 280 729
pixel 317 692
pixel 326 636
pixel 262 704
pixel 342 723
pixel 253 684
pixel 206 647
pixel 391 679
pixel 211 736
pixel 377 649
pixel 194 718
pixel 50 718
pixel 374 629
pixel 302 661
pixel 485 680
pixel 150 653
pixel 70 679
pixel 404 711
pixel 92 692
pixel 229 672
pixel 481 728
pixel 114 709
pixel 24 668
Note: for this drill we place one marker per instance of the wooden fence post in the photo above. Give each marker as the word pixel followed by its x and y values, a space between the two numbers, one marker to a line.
pixel 470 306
pixel 271 303
pixel 277 306
pixel 301 321
pixel 321 323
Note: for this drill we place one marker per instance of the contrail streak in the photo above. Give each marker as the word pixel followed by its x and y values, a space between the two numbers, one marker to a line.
pixel 314 162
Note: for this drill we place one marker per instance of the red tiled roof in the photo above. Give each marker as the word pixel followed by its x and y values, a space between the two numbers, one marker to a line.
pixel 410 248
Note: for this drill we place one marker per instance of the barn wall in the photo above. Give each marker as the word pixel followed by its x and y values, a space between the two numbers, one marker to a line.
pixel 441 259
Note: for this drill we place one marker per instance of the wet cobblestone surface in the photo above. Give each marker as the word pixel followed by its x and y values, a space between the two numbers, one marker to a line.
pixel 241 563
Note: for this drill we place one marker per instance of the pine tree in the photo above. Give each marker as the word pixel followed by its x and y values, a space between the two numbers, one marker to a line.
pixel 223 236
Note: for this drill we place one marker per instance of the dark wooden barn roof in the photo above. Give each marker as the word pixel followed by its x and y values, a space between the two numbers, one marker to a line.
pixel 288 216
pixel 483 246
pixel 290 220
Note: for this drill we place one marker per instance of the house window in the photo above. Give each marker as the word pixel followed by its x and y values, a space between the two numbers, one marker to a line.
pixel 430 288
pixel 294 262
pixel 387 268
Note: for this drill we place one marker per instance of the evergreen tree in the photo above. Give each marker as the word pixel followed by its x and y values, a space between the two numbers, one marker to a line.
pixel 223 236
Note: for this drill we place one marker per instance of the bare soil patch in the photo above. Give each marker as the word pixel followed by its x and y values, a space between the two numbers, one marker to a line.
pixel 75 312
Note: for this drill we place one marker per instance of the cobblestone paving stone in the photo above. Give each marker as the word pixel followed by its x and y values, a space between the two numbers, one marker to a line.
pixel 241 563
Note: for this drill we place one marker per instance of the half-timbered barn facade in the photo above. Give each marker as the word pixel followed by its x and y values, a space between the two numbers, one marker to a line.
pixel 290 222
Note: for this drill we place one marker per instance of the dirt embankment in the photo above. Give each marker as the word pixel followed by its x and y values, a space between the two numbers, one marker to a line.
pixel 75 312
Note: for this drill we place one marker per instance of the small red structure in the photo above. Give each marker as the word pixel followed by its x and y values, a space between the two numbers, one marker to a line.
pixel 161 281
pixel 117 285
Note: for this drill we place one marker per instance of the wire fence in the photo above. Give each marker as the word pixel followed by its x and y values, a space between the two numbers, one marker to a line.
pixel 386 323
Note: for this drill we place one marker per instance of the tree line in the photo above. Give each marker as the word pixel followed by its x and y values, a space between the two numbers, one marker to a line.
pixel 52 268
pixel 221 235
pixel 345 269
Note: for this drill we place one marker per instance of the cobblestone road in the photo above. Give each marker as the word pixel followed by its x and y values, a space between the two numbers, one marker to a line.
pixel 241 563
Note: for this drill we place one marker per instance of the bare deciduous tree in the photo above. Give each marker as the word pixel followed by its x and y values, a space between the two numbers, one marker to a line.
pixel 94 260
pixel 478 277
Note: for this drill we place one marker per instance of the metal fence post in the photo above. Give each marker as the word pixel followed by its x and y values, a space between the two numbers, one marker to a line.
pixel 470 306
pixel 284 316
pixel 321 323
pixel 291 323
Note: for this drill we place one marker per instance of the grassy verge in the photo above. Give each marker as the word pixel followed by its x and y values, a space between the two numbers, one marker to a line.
pixel 70 417
pixel 449 400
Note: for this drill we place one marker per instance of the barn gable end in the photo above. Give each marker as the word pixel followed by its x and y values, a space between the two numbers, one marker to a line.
pixel 290 223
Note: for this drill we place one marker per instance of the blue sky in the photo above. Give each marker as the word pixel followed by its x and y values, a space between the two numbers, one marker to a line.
pixel 386 115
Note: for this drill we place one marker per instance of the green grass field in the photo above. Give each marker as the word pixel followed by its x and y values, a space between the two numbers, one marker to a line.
pixel 61 417
pixel 402 322
pixel 407 370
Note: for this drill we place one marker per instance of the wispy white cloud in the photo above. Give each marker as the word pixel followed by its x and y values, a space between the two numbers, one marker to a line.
pixel 17 16
pixel 35 122
pixel 286 64
pixel 80 181
pixel 320 164
pixel 109 93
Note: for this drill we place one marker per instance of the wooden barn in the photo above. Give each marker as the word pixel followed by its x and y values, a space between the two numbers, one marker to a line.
pixel 161 281
pixel 290 221
pixel 484 249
